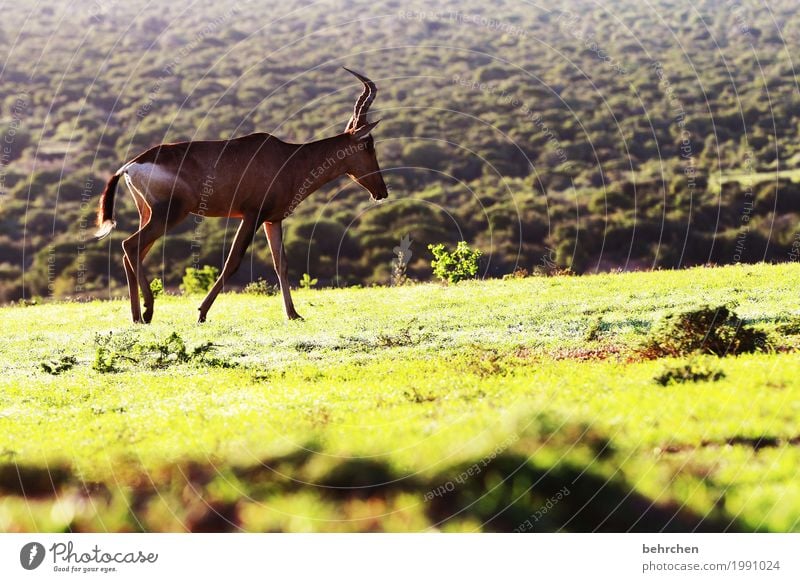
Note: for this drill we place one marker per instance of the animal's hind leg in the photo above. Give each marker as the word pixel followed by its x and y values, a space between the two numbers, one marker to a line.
pixel 149 299
pixel 133 270
pixel 163 217
pixel 133 290
pixel 128 258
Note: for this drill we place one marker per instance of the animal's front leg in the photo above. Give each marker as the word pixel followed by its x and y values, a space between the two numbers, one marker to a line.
pixel 275 238
pixel 244 236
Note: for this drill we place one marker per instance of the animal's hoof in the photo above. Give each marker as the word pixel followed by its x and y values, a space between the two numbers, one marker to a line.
pixel 294 317
pixel 148 316
pixel 202 318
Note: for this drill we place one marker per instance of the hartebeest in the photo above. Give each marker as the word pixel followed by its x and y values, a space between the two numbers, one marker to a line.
pixel 257 178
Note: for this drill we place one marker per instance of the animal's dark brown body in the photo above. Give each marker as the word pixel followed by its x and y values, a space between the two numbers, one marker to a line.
pixel 257 178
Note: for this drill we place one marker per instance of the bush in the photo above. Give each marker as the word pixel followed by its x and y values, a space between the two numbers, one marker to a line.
pixel 157 287
pixel 595 330
pixel 172 350
pixel 708 330
pixel 692 371
pixel 199 281
pixel 791 327
pixel 104 360
pixel 456 266
pixel 399 275
pixel 519 273
pixel 55 367
pixel 306 282
pixel 552 271
pixel 111 349
pixel 260 287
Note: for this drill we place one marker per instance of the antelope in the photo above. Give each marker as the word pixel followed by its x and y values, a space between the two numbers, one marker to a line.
pixel 257 178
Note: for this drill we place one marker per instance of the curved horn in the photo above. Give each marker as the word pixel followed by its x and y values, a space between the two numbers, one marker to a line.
pixel 366 98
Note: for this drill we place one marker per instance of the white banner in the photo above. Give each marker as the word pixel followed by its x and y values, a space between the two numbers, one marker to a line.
pixel 400 557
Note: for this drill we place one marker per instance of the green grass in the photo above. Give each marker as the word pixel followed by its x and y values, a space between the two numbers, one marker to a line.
pixel 495 395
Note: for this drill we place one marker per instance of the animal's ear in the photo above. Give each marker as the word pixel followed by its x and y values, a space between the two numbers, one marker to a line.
pixel 363 131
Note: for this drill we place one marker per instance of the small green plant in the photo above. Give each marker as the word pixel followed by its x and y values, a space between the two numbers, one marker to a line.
pixel 392 340
pixel 260 287
pixel 112 348
pixel 456 266
pixel 173 350
pixel 519 273
pixel 156 355
pixel 168 351
pixel 552 271
pixel 418 397
pixel 548 266
pixel 199 281
pixel 55 367
pixel 692 371
pixel 104 360
pixel 790 327
pixel 306 282
pixel 157 287
pixel 708 330
pixel 595 330
pixel 399 274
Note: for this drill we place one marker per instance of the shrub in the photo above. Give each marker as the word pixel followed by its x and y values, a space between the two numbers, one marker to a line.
pixel 306 282
pixel 595 330
pixel 199 281
pixel 157 287
pixel 55 367
pixel 403 337
pixel 549 266
pixel 552 271
pixel 692 371
pixel 173 350
pixel 260 287
pixel 111 349
pixel 104 360
pixel 399 275
pixel 791 327
pixel 456 266
pixel 708 330
pixel 156 355
pixel 167 351
pixel 519 273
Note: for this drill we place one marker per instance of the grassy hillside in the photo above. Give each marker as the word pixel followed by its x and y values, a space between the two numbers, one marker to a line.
pixel 596 134
pixel 522 404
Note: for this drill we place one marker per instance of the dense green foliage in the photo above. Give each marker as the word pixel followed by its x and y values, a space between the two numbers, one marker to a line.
pixel 593 135
pixel 307 282
pixel 157 287
pixel 455 266
pixel 479 406
pixel 197 281
pixel 708 330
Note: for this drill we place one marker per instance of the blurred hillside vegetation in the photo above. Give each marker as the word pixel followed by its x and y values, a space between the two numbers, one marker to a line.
pixel 630 136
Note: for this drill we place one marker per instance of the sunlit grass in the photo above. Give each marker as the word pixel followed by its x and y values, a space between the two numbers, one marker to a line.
pixel 406 386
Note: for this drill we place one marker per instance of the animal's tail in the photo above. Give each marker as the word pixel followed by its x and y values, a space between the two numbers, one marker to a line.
pixel 105 212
